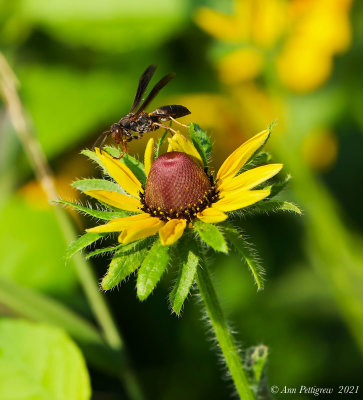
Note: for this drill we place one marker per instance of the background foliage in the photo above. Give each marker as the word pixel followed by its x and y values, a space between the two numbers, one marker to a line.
pixel 78 64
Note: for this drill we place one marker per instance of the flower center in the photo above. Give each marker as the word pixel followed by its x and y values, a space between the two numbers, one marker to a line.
pixel 177 187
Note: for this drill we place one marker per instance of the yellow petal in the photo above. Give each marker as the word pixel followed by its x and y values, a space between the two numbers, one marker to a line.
pixel 119 224
pixel 118 200
pixel 240 156
pixel 141 230
pixel 172 231
pixel 212 215
pixel 180 143
pixel 149 155
pixel 120 173
pixel 250 178
pixel 234 201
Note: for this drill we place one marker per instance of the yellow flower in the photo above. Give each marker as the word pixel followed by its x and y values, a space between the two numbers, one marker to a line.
pixel 304 35
pixel 179 192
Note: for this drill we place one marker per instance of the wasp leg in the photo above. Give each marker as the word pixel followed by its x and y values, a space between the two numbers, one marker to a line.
pixel 125 149
pixel 168 128
pixel 179 123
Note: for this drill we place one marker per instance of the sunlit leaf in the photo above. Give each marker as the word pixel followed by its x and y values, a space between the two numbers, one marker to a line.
pixel 152 269
pixel 125 261
pixel 211 235
pixel 40 362
pixel 188 260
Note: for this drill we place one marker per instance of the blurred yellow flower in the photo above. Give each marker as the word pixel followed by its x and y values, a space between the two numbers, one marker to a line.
pixel 230 70
pixel 304 36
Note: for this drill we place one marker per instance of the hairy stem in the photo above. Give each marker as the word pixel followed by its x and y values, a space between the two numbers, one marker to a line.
pixel 36 156
pixel 223 333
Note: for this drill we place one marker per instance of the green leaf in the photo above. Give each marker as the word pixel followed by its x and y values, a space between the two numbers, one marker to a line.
pixel 40 362
pixel 32 247
pixel 82 102
pixel 93 157
pixel 276 188
pixel 105 215
pixel 267 206
pixel 125 261
pixel 247 252
pixel 106 28
pixel 160 142
pixel 259 159
pixel 136 166
pixel 188 259
pixel 97 184
pixel 152 269
pixel 201 142
pixel 211 235
pixel 111 249
pixel 82 242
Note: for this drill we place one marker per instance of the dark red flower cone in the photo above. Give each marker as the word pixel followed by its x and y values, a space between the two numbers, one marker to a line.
pixel 176 182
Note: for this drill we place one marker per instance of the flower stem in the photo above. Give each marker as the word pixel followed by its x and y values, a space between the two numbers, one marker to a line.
pixel 223 333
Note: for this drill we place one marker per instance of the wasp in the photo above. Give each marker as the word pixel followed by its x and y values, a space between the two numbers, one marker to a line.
pixel 137 122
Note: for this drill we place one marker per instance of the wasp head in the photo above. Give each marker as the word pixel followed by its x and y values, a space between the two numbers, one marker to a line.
pixel 116 132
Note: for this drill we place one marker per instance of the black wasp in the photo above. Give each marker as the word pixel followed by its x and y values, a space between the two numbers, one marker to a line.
pixel 139 121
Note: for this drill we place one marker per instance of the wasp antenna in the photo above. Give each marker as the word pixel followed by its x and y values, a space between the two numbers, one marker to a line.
pixel 101 139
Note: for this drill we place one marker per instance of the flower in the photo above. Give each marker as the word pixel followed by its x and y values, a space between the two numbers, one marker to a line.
pixel 178 191
pixel 300 37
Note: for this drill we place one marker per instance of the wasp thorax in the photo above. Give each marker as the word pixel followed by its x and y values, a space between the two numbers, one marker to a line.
pixel 177 187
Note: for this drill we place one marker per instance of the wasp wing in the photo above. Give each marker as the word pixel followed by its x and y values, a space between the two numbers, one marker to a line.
pixel 143 82
pixel 174 111
pixel 156 89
